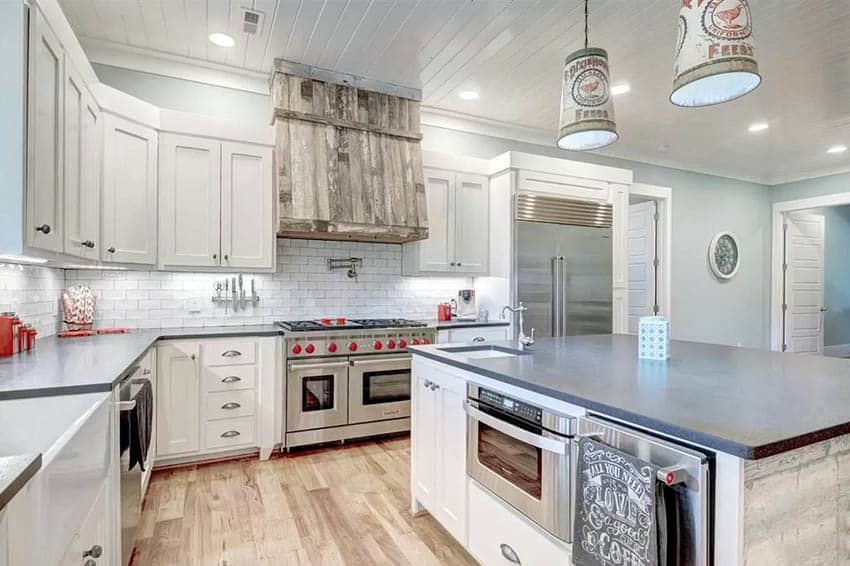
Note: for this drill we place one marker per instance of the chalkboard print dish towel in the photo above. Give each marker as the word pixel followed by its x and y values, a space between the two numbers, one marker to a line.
pixel 621 510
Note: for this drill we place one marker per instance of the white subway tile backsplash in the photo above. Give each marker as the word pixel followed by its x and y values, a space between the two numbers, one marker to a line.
pixel 33 293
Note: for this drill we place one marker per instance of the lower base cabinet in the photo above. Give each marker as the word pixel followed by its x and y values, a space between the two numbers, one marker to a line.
pixel 438 451
pixel 90 545
pixel 498 536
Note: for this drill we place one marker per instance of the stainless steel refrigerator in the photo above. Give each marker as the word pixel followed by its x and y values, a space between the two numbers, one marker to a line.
pixel 563 261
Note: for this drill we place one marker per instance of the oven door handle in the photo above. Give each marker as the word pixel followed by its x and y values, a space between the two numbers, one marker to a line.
pixel 319 365
pixel 382 360
pixel 536 440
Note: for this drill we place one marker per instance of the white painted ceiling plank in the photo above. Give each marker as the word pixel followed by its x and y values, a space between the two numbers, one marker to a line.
pixel 305 24
pixel 324 31
pixel 218 21
pixel 346 26
pixel 283 22
pixel 256 44
pixel 356 52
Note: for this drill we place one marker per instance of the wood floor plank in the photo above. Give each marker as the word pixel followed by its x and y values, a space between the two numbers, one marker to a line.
pixel 345 506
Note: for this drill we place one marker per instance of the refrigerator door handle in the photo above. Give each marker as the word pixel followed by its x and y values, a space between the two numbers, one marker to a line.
pixel 557 295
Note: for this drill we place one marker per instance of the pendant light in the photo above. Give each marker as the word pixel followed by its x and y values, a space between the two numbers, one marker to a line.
pixel 714 53
pixel 587 111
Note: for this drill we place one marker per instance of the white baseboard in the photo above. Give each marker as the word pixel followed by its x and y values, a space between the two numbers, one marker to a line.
pixel 837 351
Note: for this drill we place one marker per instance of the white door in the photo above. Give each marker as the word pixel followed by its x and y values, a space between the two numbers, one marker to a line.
pixel 82 169
pixel 423 440
pixel 804 256
pixel 450 508
pixel 45 132
pixel 247 211
pixel 437 251
pixel 472 226
pixel 189 201
pixel 177 399
pixel 641 261
pixel 129 192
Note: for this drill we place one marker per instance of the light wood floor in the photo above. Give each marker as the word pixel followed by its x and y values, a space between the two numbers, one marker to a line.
pixel 346 505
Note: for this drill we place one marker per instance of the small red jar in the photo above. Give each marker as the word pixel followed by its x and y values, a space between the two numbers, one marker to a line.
pixel 7 338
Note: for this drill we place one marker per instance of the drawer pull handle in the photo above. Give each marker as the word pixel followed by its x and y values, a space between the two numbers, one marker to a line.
pixel 479 339
pixel 509 554
pixel 230 406
pixel 44 228
pixel 95 552
pixel 88 244
pixel 231 354
pixel 230 434
pixel 231 379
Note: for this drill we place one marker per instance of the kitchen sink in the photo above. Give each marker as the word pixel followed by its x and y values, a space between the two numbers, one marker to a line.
pixel 484 352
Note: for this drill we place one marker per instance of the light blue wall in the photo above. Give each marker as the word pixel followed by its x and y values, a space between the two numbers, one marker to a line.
pixel 808 188
pixel 837 276
pixel 12 85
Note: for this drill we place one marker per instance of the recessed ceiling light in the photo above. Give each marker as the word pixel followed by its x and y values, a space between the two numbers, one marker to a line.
pixel 468 95
pixel 620 89
pixel 222 39
pixel 837 149
pixel 758 127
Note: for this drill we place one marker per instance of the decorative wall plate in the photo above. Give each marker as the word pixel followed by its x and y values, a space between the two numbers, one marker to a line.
pixel 724 255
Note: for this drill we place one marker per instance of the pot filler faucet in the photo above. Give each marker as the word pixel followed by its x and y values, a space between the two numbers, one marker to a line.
pixel 524 341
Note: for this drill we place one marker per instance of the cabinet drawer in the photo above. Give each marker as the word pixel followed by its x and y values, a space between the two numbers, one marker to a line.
pixel 226 433
pixel 493 524
pixel 230 378
pixel 230 404
pixel 479 334
pixel 229 352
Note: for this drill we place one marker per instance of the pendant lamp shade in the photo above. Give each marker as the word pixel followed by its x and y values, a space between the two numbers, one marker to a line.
pixel 587 112
pixel 714 53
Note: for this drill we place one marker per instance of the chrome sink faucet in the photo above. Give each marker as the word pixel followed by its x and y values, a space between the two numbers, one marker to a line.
pixel 524 341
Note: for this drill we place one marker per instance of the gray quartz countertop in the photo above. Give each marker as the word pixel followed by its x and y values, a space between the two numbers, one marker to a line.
pixel 459 323
pixel 65 366
pixel 744 402
pixel 15 472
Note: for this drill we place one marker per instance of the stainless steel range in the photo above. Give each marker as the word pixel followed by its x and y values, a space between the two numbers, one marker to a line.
pixel 348 378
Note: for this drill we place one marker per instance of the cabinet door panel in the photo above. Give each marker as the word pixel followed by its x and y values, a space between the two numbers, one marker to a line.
pixel 247 226
pixel 129 192
pixel 451 456
pixel 178 398
pixel 437 252
pixel 82 168
pixel 472 227
pixel 44 144
pixel 423 427
pixel 189 201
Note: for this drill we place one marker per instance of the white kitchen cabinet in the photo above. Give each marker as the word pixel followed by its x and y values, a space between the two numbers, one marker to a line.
pixel 45 153
pixel 129 192
pixel 92 541
pixel 215 204
pixel 247 206
pixel 438 454
pixel 476 334
pixel 178 398
pixel 82 173
pixel 458 226
pixel 189 201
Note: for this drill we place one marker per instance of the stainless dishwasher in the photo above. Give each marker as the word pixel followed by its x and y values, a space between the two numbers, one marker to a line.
pixel 685 473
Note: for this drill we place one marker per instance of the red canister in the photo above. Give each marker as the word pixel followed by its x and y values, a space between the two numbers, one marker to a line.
pixel 7 339
pixel 444 312
pixel 29 337
pixel 17 326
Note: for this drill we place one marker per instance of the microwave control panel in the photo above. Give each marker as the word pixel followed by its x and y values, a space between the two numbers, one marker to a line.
pixel 511 406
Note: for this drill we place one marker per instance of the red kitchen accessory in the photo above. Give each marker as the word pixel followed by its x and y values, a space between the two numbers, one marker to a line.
pixel 29 337
pixel 7 338
pixel 75 333
pixel 17 325
pixel 78 302
pixel 116 330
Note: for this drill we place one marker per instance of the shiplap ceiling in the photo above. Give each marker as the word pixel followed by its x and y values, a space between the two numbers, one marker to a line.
pixel 512 53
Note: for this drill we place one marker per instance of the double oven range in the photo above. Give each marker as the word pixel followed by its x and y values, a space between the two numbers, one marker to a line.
pixel 348 378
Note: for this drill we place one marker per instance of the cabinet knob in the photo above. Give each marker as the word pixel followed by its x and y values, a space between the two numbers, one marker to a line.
pixel 434 387
pixel 111 249
pixel 146 371
pixel 94 552
pixel 215 256
pixel 226 257
pixel 452 264
pixel 428 383
pixel 192 356
pixel 458 264
pixel 44 228
pixel 89 244
pixel 90 562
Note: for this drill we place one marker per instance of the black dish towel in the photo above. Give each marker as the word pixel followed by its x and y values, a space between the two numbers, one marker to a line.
pixel 620 509
pixel 136 426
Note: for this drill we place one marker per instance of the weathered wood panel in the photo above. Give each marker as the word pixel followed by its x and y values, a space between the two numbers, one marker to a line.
pixel 349 163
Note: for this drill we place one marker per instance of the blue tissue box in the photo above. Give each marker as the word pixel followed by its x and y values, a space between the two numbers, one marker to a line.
pixel 654 338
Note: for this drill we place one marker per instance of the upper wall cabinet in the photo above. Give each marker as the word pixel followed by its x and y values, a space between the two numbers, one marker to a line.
pixel 83 143
pixel 44 216
pixel 129 192
pixel 215 204
pixel 458 239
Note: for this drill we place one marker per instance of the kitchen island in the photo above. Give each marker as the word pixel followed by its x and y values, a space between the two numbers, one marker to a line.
pixel 775 427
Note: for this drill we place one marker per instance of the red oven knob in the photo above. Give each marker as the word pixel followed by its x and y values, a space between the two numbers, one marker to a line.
pixel 391 344
pixel 332 347
pixel 415 341
pixel 310 348
pixel 296 349
pixel 402 344
pixel 426 341
pixel 353 346
pixel 378 345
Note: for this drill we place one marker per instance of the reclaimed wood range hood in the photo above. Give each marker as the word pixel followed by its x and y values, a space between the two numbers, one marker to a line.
pixel 347 157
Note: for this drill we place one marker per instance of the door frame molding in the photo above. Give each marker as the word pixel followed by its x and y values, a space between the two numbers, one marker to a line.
pixel 780 209
pixel 663 197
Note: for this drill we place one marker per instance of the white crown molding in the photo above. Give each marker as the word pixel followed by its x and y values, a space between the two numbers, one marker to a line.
pixel 176 66
pixel 785 179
